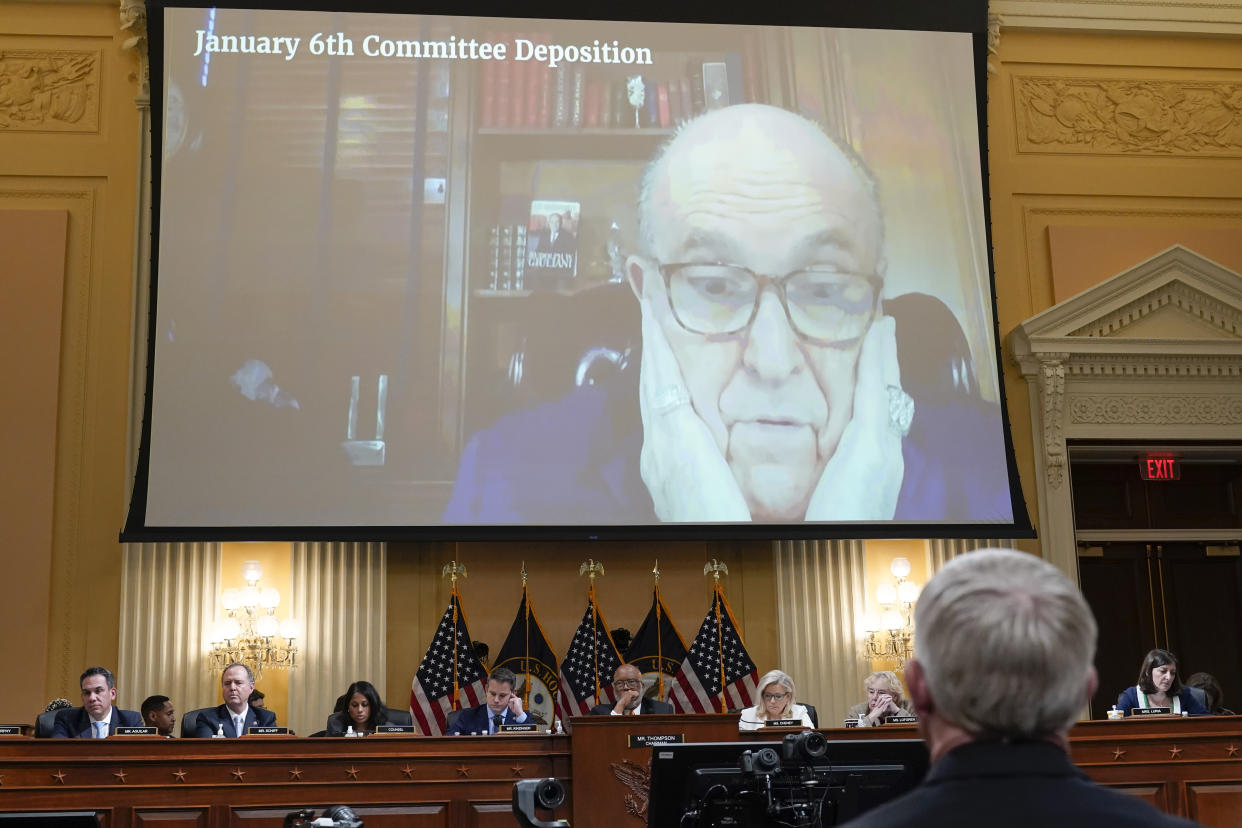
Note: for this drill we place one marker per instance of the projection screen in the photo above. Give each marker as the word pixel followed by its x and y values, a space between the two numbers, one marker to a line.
pixel 449 276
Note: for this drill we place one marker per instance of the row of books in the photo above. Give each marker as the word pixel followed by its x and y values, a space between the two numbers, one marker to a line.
pixel 516 95
pixel 539 255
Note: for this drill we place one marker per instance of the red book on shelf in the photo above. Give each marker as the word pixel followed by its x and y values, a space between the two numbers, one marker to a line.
pixel 503 75
pixel 674 102
pixel 605 103
pixel 687 102
pixel 698 104
pixel 547 96
pixel 534 89
pixel 487 90
pixel 517 87
pixel 666 116
pixel 591 103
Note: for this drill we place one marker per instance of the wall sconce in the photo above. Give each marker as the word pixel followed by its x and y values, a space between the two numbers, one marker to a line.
pixel 891 636
pixel 250 633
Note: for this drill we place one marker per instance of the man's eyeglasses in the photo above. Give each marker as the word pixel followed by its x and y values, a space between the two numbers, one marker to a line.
pixel 627 684
pixel 824 305
pixel 775 696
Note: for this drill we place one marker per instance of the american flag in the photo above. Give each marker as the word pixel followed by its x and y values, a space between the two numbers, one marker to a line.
pixel 717 663
pixel 589 665
pixel 444 668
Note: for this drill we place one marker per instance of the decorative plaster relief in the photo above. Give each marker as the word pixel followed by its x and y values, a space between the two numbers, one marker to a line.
pixel 49 91
pixel 1176 294
pixel 1151 409
pixel 1143 117
pixel 1052 392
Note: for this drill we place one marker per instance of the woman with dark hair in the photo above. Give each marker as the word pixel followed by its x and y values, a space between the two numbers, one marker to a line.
pixel 1212 692
pixel 364 711
pixel 1159 686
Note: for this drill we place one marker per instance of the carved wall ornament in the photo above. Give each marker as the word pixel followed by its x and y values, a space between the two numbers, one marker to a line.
pixel 1143 117
pixel 1052 392
pixel 49 91
pixel 1152 409
pixel 1128 366
pixel 637 779
pixel 1176 294
pixel 134 24
pixel 994 32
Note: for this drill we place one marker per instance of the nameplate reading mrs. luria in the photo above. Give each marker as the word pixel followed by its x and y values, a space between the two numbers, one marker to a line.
pixel 398 729
pixel 268 731
pixel 136 731
pixel 10 730
pixel 783 723
pixel 1151 711
pixel 518 728
pixel 642 740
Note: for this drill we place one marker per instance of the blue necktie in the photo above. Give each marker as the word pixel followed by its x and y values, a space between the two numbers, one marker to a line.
pixel 101 730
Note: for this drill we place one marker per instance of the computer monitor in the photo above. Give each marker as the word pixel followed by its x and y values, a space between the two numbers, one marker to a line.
pixel 760 784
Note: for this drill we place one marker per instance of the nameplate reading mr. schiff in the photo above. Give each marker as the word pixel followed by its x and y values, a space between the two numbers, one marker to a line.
pixel 1151 711
pixel 518 728
pixel 136 731
pixel 268 731
pixel 643 740
pixel 398 729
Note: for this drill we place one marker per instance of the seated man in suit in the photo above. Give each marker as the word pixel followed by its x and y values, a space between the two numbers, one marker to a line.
pixel 235 716
pixel 628 682
pixel 158 712
pixel 96 718
pixel 503 707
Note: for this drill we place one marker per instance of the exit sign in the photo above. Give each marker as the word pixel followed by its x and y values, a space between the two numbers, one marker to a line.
pixel 1159 467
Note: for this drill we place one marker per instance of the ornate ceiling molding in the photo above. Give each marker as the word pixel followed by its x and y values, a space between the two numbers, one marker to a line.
pixel 1203 17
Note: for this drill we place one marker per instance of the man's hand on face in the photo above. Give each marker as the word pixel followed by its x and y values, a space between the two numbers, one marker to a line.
pixel 627 701
pixel 863 478
pixel 515 706
pixel 688 477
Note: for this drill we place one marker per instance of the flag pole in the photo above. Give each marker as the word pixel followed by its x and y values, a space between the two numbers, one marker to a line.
pixel 659 635
pixel 591 568
pixel 453 571
pixel 526 626
pixel 715 568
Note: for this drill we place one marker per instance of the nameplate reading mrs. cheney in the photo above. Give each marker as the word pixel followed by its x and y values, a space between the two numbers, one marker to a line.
pixel 783 723
pixel 642 740
pixel 10 730
pixel 268 731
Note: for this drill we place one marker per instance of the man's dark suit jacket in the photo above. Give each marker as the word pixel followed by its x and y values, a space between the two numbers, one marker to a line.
pixel 1020 784
pixel 209 721
pixel 649 707
pixel 475 720
pixel 75 722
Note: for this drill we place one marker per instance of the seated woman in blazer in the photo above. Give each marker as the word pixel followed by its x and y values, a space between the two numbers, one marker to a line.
pixel 364 711
pixel 775 703
pixel 1159 686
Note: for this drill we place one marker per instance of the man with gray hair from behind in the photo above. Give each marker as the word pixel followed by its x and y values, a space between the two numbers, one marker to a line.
pixel 1003 663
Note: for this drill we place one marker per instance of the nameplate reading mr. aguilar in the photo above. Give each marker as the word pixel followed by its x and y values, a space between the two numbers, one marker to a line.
pixel 398 729
pixel 268 731
pixel 642 740
pixel 518 728
pixel 1151 711
pixel 136 731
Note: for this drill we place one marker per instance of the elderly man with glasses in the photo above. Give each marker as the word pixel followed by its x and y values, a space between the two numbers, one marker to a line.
pixel 627 683
pixel 770 386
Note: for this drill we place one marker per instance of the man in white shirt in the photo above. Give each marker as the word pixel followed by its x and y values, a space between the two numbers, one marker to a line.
pixel 96 718
pixel 235 716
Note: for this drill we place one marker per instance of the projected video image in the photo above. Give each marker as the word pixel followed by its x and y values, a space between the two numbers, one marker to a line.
pixel 447 271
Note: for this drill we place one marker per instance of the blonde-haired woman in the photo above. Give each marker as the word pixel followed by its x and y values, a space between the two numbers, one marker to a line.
pixel 884 699
pixel 775 702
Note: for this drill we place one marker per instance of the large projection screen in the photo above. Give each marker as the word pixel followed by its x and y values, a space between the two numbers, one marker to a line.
pixel 446 276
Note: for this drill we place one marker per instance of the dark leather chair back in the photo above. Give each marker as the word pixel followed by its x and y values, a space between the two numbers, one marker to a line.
pixel 810 712
pixel 44 723
pixel 452 718
pixel 399 717
pixel 189 722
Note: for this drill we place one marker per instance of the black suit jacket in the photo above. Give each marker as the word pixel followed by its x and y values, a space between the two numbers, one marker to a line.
pixel 648 707
pixel 75 722
pixel 209 721
pixel 1019 785
pixel 475 720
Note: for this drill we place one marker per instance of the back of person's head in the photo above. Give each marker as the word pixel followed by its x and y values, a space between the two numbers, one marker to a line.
pixel 151 704
pixel 1159 658
pixel 256 695
pixel 503 675
pixel 1006 645
pixel 57 704
pixel 1211 690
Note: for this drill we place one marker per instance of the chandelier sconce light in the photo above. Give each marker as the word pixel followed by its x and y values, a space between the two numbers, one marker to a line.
pixel 250 632
pixel 891 636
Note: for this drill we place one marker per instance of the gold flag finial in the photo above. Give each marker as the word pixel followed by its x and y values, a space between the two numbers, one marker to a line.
pixel 715 567
pixel 453 570
pixel 655 570
pixel 523 573
pixel 591 568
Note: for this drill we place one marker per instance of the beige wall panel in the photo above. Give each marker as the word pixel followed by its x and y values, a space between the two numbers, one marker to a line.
pixel 417 594
pixel 32 242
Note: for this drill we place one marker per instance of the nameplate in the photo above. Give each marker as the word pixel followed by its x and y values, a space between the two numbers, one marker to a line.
pixel 1151 711
pixel 267 731
pixel 901 720
pixel 530 727
pixel 136 731
pixel 643 740
pixel 783 723
pixel 10 730
pixel 397 729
